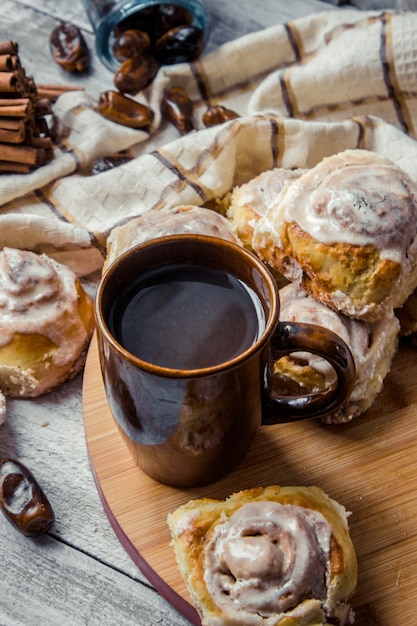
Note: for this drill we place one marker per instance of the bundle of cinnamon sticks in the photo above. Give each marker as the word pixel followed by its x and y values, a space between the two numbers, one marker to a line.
pixel 25 139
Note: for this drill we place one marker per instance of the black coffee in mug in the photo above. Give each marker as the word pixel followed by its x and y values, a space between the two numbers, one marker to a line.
pixel 202 315
pixel 187 316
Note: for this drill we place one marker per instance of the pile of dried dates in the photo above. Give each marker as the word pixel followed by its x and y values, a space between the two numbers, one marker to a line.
pixel 162 34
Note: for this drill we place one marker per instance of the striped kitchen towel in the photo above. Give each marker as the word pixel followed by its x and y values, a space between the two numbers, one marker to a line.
pixel 303 90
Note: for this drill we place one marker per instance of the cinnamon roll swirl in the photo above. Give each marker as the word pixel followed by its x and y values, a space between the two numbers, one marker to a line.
pixel 46 322
pixel 373 346
pixel 274 556
pixel 346 231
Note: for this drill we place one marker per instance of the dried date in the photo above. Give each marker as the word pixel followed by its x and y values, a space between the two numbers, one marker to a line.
pixel 162 34
pixel 135 74
pixel 68 48
pixel 178 45
pixel 170 16
pixel 177 108
pixel 131 43
pixel 143 20
pixel 123 110
pixel 217 114
pixel 22 500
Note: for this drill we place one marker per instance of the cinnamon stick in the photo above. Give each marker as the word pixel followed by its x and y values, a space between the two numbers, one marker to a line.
pixel 8 62
pixel 17 168
pixel 25 139
pixel 9 47
pixel 19 154
pixel 12 133
pixel 52 92
pixel 10 82
pixel 16 107
pixel 11 124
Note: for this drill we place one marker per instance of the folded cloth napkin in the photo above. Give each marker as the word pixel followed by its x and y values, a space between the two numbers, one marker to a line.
pixel 304 90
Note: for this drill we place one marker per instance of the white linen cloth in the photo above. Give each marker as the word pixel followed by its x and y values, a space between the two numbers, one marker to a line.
pixel 304 90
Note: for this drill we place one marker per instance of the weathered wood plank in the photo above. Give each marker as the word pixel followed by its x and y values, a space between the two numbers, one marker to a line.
pixel 46 581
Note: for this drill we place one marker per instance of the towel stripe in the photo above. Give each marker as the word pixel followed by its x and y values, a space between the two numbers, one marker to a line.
pixel 181 176
pixel 94 240
pixel 390 77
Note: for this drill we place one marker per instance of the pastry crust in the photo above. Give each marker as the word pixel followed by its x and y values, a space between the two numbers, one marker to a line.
pixel 274 556
pixel 346 231
pixel 251 201
pixel 184 219
pixel 46 323
pixel 373 346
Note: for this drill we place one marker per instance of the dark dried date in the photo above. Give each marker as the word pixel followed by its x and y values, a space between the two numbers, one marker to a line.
pixel 217 114
pixel 135 74
pixel 22 500
pixel 68 48
pixel 177 108
pixel 178 45
pixel 130 44
pixel 162 34
pixel 170 16
pixel 143 20
pixel 123 110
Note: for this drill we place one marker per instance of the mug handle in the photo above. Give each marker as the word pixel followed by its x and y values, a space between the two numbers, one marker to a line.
pixel 292 337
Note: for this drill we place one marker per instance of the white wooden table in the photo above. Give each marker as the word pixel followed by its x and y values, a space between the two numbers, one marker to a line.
pixel 79 573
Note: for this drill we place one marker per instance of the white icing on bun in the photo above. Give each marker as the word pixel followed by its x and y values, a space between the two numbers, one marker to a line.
pixel 46 322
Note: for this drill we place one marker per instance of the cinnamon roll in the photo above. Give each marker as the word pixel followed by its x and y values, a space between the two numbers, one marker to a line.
pixel 346 231
pixel 184 219
pixel 46 322
pixel 274 556
pixel 373 346
pixel 250 201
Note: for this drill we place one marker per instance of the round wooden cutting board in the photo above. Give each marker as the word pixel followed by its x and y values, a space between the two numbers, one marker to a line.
pixel 369 466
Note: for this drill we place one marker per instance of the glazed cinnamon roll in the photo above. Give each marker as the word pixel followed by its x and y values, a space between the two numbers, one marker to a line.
pixel 250 201
pixel 373 346
pixel 274 556
pixel 346 231
pixel 184 219
pixel 46 323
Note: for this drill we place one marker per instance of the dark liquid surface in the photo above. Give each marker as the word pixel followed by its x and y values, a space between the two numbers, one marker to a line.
pixel 187 317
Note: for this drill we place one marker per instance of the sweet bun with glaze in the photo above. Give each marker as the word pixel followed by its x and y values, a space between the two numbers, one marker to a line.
pixel 373 346
pixel 346 231
pixel 274 556
pixel 250 201
pixel 184 219
pixel 46 323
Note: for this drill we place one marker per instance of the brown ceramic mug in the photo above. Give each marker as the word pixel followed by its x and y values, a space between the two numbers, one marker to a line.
pixel 188 331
